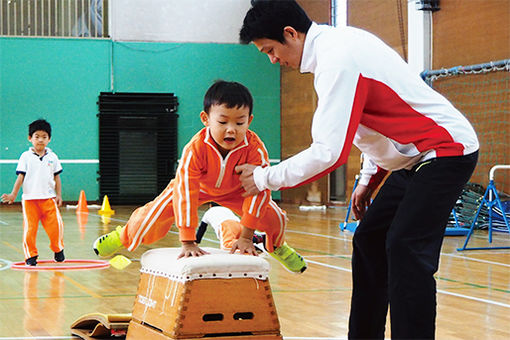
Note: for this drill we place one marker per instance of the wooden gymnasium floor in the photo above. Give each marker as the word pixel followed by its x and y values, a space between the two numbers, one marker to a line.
pixel 473 286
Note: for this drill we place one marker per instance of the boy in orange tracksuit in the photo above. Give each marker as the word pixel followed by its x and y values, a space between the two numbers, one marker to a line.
pixel 39 171
pixel 206 173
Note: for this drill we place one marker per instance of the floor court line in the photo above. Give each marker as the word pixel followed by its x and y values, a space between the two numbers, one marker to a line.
pixel 318 235
pixel 330 255
pixel 329 266
pixel 477 260
pixel 439 290
pixel 7 264
pixel 349 270
pixel 474 298
pixel 4 223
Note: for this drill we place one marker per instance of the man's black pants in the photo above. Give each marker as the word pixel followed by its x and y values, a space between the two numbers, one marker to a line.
pixel 396 249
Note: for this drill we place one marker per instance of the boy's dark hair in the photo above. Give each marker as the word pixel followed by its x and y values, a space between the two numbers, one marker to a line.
pixel 229 93
pixel 268 18
pixel 39 125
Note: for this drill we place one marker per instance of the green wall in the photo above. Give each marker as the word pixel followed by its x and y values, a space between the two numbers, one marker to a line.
pixel 60 80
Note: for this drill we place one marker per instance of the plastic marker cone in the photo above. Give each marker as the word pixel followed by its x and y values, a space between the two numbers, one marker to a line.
pixel 82 203
pixel 105 208
pixel 120 262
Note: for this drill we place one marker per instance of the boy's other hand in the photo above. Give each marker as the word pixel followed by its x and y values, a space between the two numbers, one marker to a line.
pixel 58 199
pixel 190 248
pixel 246 178
pixel 245 246
pixel 8 198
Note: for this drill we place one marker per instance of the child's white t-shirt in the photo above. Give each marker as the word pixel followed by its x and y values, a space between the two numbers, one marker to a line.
pixel 40 172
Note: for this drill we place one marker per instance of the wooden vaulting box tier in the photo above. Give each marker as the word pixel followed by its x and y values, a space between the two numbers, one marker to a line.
pixel 217 296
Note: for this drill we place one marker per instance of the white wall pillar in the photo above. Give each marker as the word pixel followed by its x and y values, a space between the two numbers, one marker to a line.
pixel 420 37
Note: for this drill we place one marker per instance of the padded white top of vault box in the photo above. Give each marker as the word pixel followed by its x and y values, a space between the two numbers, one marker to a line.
pixel 218 264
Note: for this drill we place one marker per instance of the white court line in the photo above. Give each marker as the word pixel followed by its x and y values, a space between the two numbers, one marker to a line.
pixel 329 266
pixel 332 255
pixel 7 264
pixel 4 223
pixel 439 290
pixel 318 235
pixel 474 298
pixel 349 270
pixel 477 260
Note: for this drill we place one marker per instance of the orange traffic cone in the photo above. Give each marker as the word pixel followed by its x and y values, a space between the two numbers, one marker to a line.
pixel 82 203
pixel 105 208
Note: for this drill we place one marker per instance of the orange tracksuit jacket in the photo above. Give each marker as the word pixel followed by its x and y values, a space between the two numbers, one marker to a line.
pixel 203 176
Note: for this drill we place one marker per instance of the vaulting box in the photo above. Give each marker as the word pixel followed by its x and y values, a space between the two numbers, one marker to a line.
pixel 218 296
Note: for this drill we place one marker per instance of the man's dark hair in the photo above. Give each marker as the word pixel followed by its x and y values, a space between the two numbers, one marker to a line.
pixel 229 93
pixel 39 125
pixel 268 18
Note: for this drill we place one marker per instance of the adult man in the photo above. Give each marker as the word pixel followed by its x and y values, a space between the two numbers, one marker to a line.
pixel 369 97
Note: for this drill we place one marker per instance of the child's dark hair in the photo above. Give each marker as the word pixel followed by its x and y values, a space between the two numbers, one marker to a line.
pixel 39 125
pixel 229 93
pixel 268 18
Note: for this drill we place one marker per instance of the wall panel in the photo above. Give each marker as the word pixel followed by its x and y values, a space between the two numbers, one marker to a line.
pixel 60 80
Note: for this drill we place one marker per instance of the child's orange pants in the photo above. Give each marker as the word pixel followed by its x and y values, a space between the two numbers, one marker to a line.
pixel 152 222
pixel 46 211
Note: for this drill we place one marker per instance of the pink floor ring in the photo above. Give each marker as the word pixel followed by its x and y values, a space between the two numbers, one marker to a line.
pixel 66 265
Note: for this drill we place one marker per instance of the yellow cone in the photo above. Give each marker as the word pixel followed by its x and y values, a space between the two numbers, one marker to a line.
pixel 105 208
pixel 120 262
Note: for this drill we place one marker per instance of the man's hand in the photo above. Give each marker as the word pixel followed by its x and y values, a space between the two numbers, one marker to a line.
pixel 8 198
pixel 246 178
pixel 360 200
pixel 58 200
pixel 190 248
pixel 245 246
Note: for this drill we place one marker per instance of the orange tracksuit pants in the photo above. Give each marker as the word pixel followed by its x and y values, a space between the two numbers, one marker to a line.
pixel 152 222
pixel 46 211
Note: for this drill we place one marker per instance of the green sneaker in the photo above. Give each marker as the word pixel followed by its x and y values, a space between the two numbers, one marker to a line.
pixel 108 244
pixel 289 258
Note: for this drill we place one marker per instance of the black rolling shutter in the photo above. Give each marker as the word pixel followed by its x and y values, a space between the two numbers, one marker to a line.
pixel 137 145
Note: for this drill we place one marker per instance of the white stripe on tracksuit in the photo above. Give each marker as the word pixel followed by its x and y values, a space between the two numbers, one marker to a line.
pixel 153 215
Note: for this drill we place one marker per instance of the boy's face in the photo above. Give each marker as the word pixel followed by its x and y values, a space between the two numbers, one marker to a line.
pixel 39 140
pixel 228 126
pixel 288 54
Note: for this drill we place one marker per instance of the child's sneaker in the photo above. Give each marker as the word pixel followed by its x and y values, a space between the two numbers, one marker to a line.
pixel 59 257
pixel 31 261
pixel 108 244
pixel 289 258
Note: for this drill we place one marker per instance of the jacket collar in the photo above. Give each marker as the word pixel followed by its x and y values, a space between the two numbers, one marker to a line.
pixel 309 58
pixel 210 141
